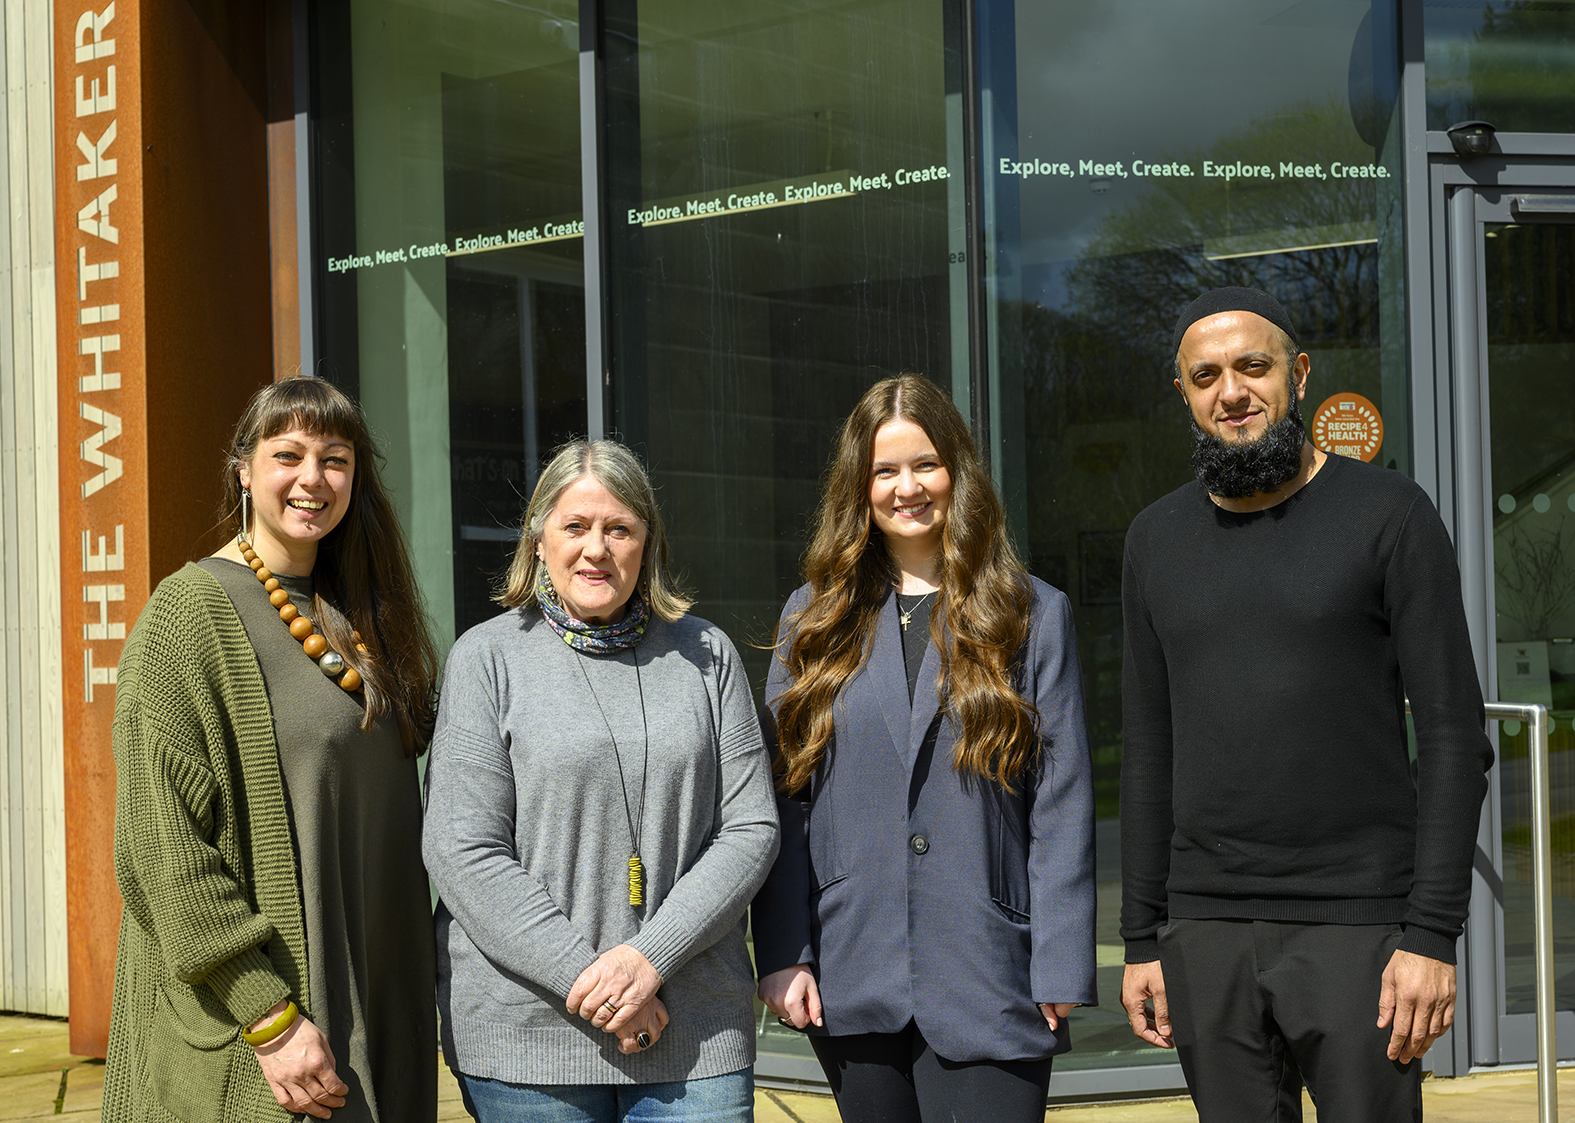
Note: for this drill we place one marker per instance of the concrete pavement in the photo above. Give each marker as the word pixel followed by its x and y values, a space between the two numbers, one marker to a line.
pixel 41 1079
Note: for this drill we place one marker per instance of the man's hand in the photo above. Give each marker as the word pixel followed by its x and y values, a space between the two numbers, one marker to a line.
pixel 1140 984
pixel 1418 996
pixel 299 1068
pixel 793 994
pixel 621 976
pixel 1055 1012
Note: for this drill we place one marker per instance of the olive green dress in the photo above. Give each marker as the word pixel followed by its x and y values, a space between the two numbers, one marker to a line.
pixel 355 814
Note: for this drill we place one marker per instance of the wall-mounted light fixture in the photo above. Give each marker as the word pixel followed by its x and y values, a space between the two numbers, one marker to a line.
pixel 1471 138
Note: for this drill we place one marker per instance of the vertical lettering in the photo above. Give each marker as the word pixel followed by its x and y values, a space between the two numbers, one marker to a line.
pixel 94 676
pixel 96 102
pixel 104 561
pixel 94 25
pixel 98 165
pixel 93 448
pixel 102 628
pixel 100 379
pixel 99 226
pixel 98 271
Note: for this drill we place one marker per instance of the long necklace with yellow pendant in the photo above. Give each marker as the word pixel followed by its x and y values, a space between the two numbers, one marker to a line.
pixel 636 823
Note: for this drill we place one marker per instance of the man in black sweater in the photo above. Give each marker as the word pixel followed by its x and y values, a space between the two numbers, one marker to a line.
pixel 1291 893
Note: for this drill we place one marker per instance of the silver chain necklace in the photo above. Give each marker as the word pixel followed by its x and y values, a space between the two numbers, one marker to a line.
pixel 906 617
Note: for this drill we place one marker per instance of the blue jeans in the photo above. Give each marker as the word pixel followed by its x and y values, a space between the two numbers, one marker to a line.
pixel 714 1099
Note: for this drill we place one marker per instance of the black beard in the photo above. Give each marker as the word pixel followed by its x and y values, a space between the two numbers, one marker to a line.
pixel 1236 471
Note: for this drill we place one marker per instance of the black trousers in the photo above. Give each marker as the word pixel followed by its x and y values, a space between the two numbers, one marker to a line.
pixel 898 1078
pixel 1257 1006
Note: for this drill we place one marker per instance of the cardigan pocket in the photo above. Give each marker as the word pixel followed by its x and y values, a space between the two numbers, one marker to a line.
pixel 190 1055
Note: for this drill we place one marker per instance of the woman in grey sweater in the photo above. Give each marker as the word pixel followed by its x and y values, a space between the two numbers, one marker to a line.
pixel 599 814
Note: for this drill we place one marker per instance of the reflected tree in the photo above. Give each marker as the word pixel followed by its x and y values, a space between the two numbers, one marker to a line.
pixel 1514 70
pixel 1536 578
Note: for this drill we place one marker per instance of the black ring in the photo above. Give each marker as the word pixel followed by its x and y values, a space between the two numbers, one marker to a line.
pixel 643 1039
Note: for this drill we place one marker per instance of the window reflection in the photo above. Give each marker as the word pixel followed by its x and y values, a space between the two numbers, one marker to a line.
pixel 1530 306
pixel 782 209
pixel 785 229
pixel 1506 63
pixel 450 271
pixel 1137 154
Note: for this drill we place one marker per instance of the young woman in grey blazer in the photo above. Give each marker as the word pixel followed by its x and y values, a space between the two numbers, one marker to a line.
pixel 929 920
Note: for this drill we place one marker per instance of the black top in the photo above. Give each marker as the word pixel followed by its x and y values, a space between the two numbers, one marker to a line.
pixel 915 633
pixel 1265 771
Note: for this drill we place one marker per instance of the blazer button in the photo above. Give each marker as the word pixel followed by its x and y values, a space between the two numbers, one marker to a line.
pixel 919 844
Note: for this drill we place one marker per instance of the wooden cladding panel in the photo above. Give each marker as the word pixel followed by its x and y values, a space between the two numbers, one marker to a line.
pixel 32 832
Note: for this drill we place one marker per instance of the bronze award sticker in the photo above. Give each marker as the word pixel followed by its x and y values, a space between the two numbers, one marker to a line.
pixel 1348 425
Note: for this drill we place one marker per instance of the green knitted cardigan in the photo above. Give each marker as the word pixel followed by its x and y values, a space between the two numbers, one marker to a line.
pixel 212 934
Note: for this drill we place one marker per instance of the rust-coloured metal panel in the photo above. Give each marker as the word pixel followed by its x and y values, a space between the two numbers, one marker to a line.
pixel 99 307
pixel 163 306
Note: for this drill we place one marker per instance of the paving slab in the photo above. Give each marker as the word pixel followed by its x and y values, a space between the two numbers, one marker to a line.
pixel 35 1045
pixel 772 1106
pixel 35 1055
pixel 84 1091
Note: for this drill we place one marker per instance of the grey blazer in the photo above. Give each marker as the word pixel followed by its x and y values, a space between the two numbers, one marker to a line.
pixel 918 894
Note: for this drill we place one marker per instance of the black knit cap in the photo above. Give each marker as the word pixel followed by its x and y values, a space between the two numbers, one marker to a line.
pixel 1232 298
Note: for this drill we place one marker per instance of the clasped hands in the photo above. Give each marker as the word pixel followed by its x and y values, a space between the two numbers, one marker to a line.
pixel 1416 1001
pixel 617 994
pixel 793 995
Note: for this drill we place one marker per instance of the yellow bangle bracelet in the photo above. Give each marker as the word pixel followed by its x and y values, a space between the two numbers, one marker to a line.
pixel 273 1029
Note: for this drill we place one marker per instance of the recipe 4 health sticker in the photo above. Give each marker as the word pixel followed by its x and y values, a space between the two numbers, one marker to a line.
pixel 1348 425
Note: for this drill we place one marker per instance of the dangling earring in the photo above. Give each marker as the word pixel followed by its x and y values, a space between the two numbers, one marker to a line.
pixel 246 514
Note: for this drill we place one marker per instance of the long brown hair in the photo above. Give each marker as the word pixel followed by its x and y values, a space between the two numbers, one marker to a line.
pixel 985 594
pixel 362 581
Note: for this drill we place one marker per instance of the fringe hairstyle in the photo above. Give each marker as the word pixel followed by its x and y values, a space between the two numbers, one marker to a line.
pixel 984 591
pixel 362 580
pixel 619 470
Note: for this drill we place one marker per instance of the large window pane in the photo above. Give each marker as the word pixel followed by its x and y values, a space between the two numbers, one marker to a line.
pixel 449 262
pixel 1507 63
pixel 780 234
pixel 1136 154
pixel 783 217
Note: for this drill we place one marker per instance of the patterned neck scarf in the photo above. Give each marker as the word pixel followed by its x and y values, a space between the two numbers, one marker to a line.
pixel 593 639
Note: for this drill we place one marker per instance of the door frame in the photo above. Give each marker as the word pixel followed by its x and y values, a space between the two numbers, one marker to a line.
pixel 1451 423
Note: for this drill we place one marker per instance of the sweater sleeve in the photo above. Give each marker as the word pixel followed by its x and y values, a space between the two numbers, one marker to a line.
pixel 467 839
pixel 1147 818
pixel 712 894
pixel 1061 820
pixel 172 875
pixel 1433 645
pixel 780 918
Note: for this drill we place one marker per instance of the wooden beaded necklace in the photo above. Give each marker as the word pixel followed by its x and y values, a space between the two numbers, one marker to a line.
pixel 331 663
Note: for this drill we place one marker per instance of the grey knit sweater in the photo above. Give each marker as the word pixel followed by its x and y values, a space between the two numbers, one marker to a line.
pixel 527 839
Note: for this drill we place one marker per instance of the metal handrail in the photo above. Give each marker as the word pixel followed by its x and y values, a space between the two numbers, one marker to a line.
pixel 1535 715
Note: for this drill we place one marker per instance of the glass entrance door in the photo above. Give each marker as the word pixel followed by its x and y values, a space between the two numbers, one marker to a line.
pixel 1530 305
pixel 1525 250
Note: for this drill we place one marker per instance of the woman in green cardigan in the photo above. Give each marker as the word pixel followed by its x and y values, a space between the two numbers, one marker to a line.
pixel 276 951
